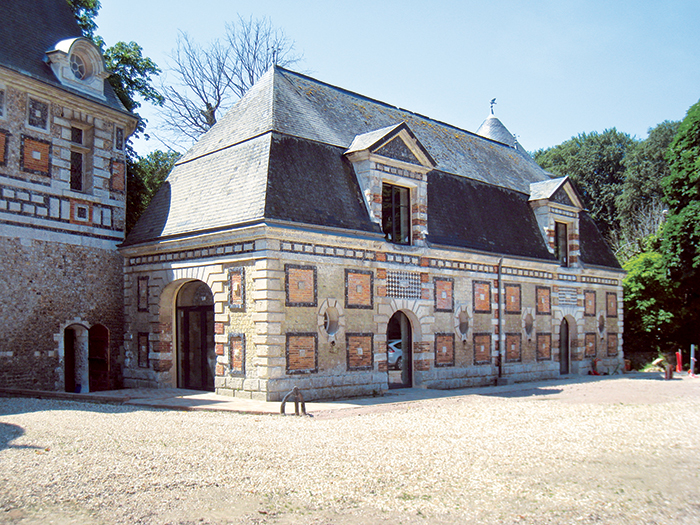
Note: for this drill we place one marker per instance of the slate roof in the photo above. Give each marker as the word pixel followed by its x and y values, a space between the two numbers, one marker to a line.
pixel 594 250
pixel 29 29
pixel 545 189
pixel 300 106
pixel 278 154
pixel 472 214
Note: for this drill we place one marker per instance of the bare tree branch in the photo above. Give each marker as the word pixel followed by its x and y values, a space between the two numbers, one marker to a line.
pixel 209 80
pixel 628 241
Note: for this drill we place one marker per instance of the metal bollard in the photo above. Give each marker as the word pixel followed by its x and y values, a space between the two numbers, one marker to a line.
pixel 295 394
pixel 669 372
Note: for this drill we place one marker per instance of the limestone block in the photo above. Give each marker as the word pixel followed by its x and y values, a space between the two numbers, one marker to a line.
pixel 251 384
pixel 267 317
pixel 268 294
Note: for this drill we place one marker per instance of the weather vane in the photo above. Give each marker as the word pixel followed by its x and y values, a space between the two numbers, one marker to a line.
pixel 493 103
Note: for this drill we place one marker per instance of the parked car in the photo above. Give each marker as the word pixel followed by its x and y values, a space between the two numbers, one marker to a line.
pixel 394 354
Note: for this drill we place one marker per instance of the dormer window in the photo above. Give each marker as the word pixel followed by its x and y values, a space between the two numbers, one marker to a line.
pixel 391 166
pixel 396 213
pixel 556 205
pixel 78 64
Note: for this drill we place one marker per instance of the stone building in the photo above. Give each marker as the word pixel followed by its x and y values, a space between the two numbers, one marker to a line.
pixel 62 204
pixel 321 239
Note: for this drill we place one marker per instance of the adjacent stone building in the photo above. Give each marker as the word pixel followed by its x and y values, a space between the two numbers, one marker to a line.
pixel 321 239
pixel 62 204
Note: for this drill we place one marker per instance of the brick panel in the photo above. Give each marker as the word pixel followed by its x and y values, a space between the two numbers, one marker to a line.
pixel 611 304
pixel 589 344
pixel 482 297
pixel 444 349
pixel 300 285
pixel 143 349
pixel 4 137
pixel 544 300
pixel 236 354
pixel 589 303
pixel 142 294
pixel 302 357
pixel 612 345
pixel 512 298
pixel 444 299
pixel 358 289
pixel 117 181
pixel 513 348
pixel 236 289
pixel 544 347
pixel 359 351
pixel 482 349
pixel 35 156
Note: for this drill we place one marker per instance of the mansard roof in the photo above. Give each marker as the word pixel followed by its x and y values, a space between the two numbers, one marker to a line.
pixel 29 30
pixel 281 154
pixel 300 106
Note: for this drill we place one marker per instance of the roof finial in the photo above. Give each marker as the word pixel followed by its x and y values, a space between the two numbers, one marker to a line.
pixel 493 103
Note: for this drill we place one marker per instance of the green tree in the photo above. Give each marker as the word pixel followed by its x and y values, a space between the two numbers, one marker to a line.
pixel 645 166
pixel 640 205
pixel 85 12
pixel 144 177
pixel 681 234
pixel 132 76
pixel 650 303
pixel 595 162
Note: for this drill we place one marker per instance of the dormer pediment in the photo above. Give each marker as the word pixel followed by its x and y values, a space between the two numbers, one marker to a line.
pixel 78 64
pixel 556 191
pixel 395 143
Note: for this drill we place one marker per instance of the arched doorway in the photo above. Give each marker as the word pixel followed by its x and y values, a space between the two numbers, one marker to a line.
pixel 399 342
pixel 564 347
pixel 196 356
pixel 98 358
pixel 75 359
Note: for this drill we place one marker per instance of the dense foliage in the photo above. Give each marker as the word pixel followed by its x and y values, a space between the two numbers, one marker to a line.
pixel 681 234
pixel 650 306
pixel 144 178
pixel 595 162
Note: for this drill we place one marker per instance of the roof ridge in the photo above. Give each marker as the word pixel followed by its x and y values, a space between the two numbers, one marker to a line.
pixel 377 101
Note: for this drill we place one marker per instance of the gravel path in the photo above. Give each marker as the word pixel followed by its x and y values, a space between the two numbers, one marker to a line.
pixel 614 451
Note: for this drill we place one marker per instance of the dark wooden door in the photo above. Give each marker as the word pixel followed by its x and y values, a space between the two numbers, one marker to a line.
pixel 196 356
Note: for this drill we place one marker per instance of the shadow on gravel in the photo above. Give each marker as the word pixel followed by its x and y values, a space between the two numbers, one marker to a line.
pixel 10 432
pixel 528 392
pixel 10 405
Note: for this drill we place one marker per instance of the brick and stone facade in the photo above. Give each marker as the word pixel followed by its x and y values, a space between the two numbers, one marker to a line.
pixel 322 256
pixel 62 209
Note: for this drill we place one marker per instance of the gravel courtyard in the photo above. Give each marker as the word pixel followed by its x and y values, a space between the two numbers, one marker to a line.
pixel 615 450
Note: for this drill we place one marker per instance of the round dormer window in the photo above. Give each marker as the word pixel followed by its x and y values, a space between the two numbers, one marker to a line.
pixel 78 67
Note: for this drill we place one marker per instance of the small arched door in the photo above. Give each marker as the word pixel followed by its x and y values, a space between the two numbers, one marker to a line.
pixel 564 347
pixel 196 356
pixel 399 342
pixel 98 358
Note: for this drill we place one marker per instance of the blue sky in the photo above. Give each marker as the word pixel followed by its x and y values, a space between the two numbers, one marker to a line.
pixel 556 68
